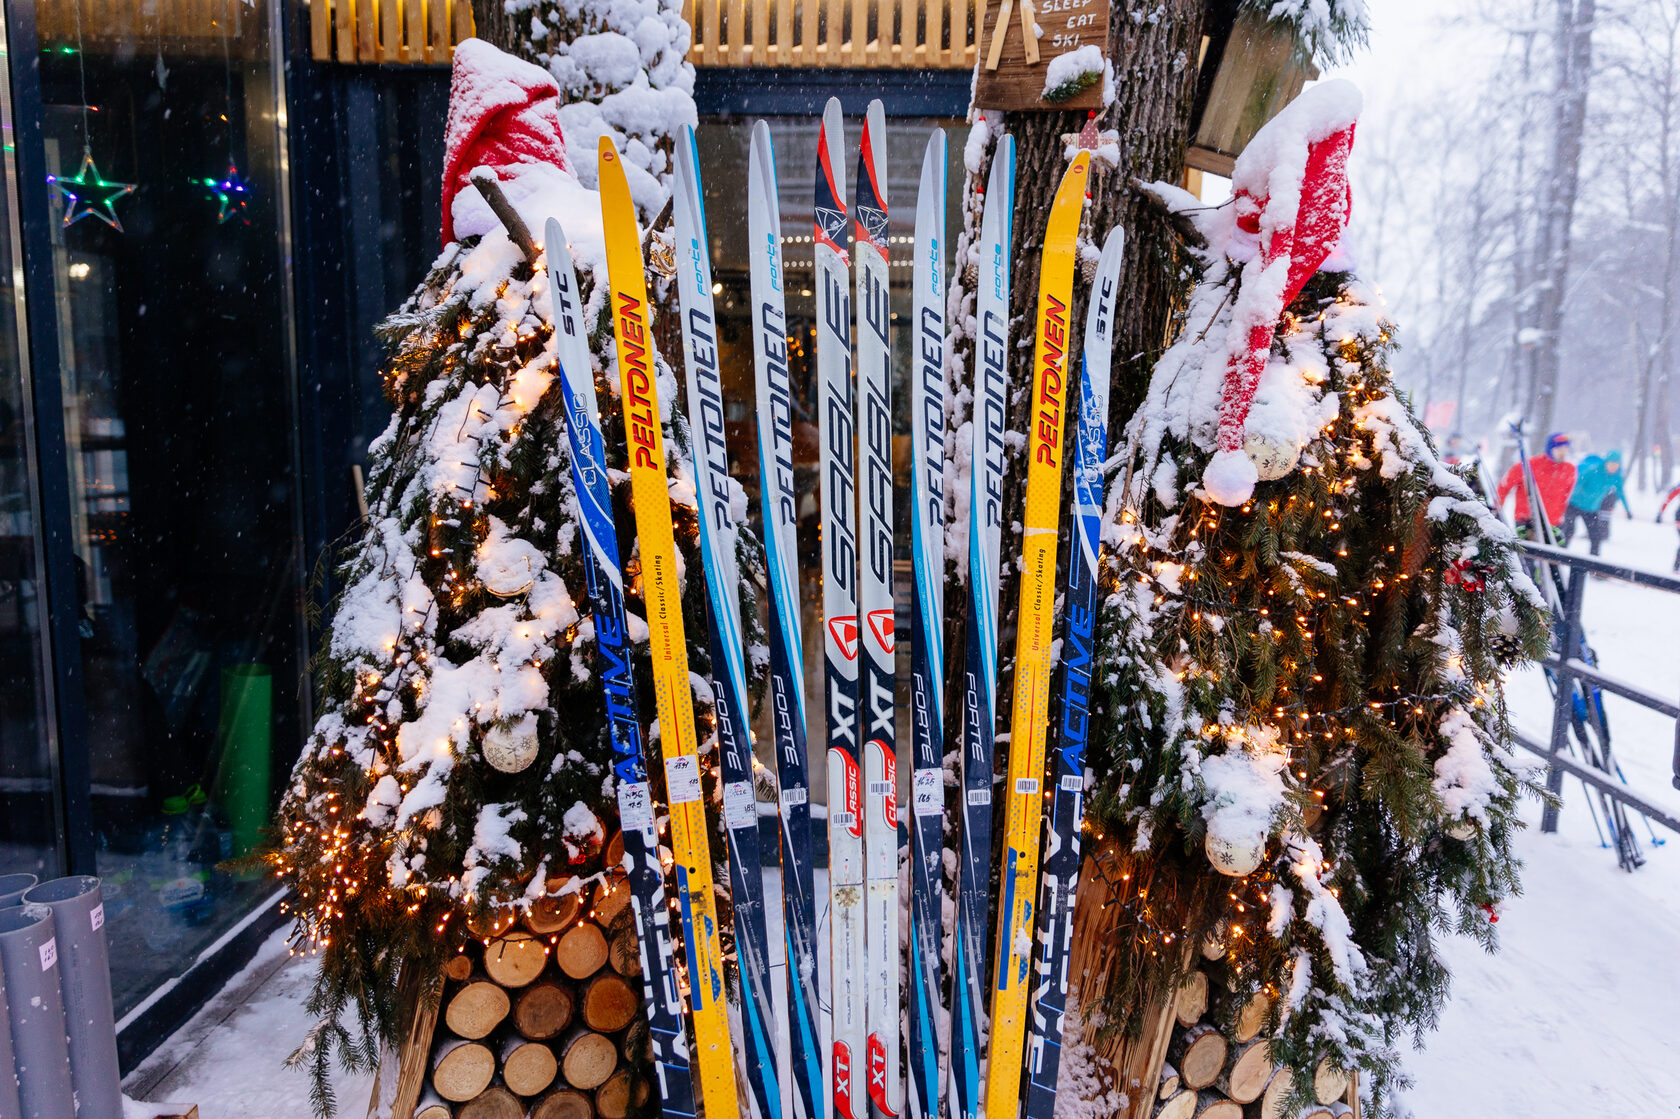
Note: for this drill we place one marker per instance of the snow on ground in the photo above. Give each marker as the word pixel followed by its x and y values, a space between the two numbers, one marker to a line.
pixel 1571 1018
pixel 229 1059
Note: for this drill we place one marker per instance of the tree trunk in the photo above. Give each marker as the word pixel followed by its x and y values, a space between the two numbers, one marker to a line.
pixel 1573 50
pixel 492 23
pixel 1153 47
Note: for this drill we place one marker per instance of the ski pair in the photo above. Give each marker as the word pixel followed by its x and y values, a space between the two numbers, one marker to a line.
pixel 714 1071
pixel 855 423
pixel 1036 612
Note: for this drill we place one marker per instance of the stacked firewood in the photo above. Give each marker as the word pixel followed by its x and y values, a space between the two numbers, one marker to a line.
pixel 1219 1064
pixel 540 1017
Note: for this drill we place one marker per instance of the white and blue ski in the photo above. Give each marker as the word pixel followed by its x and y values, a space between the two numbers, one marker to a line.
pixel 927 636
pixel 876 667
pixel 786 699
pixel 969 963
pixel 838 486
pixel 1067 808
pixel 714 496
pixel 661 993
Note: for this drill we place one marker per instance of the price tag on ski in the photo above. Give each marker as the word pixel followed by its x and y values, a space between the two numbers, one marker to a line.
pixel 786 698
pixel 1035 625
pixel 1067 807
pixel 878 707
pixel 969 986
pixel 838 486
pixel 605 583
pixel 927 637
pixel 662 595
pixel 727 649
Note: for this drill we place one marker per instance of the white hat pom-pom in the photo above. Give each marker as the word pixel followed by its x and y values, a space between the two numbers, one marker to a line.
pixel 1230 477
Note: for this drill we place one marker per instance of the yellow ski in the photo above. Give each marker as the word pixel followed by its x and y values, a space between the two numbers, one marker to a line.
pixel 1035 625
pixel 714 1063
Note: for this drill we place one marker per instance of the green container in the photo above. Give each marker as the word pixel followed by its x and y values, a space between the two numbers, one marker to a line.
pixel 247 736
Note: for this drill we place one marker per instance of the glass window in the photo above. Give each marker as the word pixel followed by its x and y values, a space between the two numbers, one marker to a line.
pixel 29 805
pixel 179 415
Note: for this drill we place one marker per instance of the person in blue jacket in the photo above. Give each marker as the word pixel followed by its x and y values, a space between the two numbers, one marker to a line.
pixel 1598 487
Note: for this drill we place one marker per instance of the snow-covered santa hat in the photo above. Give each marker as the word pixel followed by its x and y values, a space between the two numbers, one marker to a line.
pixel 503 114
pixel 1291 193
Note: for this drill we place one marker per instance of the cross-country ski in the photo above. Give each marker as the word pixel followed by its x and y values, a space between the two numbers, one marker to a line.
pixel 1035 625
pixel 605 585
pixel 878 706
pixel 786 693
pixel 662 595
pixel 969 986
pixel 1067 802
pixel 927 637
pixel 713 495
pixel 832 237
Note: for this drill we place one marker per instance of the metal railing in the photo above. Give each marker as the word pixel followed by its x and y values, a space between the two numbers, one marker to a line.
pixel 1575 712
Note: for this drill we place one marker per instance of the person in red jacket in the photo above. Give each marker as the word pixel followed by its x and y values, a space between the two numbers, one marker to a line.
pixel 1554 475
pixel 1663 508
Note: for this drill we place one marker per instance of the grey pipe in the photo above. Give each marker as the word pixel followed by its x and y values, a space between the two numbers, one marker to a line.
pixel 13 887
pixel 11 1107
pixel 29 962
pixel 84 975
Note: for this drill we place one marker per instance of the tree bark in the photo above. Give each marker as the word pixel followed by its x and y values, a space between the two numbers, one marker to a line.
pixel 1573 51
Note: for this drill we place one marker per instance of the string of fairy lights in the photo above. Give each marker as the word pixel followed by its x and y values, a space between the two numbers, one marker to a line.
pixel 1193 574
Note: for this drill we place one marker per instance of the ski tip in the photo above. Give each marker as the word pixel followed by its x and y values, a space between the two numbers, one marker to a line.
pixel 552 235
pixel 1001 181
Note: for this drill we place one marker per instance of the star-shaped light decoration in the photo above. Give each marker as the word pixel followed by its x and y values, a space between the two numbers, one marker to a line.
pixel 228 192
pixel 90 194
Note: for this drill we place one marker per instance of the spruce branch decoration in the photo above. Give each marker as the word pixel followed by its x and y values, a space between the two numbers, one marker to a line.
pixel 1301 724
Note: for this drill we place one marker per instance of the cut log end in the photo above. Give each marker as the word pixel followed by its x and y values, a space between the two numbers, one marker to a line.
pixel 528 1067
pixel 1169 1082
pixel 1212 1105
pixel 609 1002
pixel 462 1070
pixel 1180 1105
pixel 566 1103
pixel 1199 1056
pixel 582 951
pixel 549 915
pixel 587 1059
pixel 615 1097
pixel 458 967
pixel 1191 1002
pixel 515 960
pixel 1248 1069
pixel 1274 1100
pixel 626 954
pixel 544 1010
pixel 1330 1083
pixel 476 1009
pixel 493 1103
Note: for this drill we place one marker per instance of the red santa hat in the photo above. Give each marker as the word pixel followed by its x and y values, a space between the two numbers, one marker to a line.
pixel 1291 192
pixel 503 113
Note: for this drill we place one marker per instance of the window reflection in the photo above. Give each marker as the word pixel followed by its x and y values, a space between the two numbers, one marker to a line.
pixel 178 412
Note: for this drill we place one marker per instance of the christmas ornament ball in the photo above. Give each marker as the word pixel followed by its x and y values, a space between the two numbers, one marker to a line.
pixel 1234 857
pixel 512 749
pixel 1272 458
pixel 1462 830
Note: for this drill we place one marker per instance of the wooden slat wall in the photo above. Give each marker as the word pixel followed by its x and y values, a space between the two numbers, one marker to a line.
pixel 921 34
pixel 416 32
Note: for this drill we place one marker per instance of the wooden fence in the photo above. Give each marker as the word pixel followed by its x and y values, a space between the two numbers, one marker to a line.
pixel 920 34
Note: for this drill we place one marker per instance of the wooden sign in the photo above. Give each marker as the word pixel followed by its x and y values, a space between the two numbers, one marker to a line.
pixel 1016 64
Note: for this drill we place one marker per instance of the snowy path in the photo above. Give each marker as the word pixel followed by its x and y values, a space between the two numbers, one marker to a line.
pixel 1572 1018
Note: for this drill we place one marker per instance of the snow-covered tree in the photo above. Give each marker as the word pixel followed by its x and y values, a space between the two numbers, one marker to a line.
pixel 461 764
pixel 1303 754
